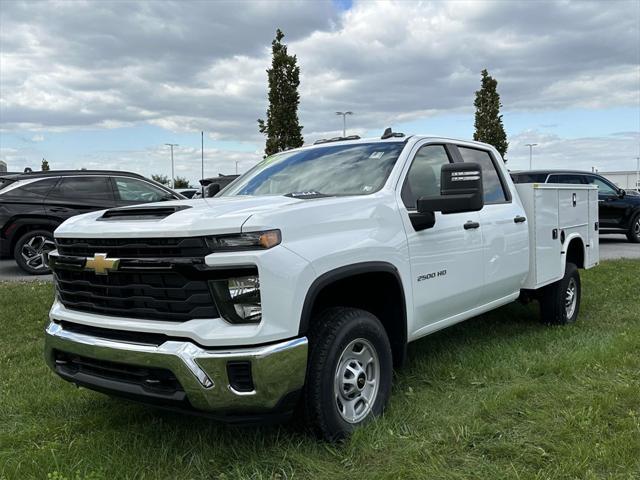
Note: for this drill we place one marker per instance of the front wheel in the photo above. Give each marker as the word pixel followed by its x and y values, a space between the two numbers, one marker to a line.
pixel 30 250
pixel 560 301
pixel 349 374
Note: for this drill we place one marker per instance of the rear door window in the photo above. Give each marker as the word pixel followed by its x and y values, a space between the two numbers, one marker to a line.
pixel 566 178
pixel 89 188
pixel 494 191
pixel 528 177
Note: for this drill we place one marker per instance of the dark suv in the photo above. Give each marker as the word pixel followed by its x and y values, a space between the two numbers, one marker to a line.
pixel 32 205
pixel 619 212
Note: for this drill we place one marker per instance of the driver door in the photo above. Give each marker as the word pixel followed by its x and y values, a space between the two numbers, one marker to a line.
pixel 446 260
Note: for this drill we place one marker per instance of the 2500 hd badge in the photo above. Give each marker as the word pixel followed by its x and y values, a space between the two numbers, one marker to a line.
pixel 429 276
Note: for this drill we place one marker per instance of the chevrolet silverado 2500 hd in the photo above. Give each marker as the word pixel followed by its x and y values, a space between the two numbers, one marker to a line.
pixel 302 282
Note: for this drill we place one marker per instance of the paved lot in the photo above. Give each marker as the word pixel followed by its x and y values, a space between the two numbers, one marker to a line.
pixel 611 246
pixel 9 271
pixel 617 246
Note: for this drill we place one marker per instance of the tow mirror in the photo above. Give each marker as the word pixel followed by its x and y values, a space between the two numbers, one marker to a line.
pixel 211 190
pixel 460 190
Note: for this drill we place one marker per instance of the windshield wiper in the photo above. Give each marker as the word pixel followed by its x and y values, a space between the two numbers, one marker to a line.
pixel 307 194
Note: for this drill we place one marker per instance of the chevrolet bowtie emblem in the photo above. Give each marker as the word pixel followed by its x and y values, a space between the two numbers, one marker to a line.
pixel 101 264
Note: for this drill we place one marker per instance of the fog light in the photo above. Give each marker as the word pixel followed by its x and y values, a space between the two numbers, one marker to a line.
pixel 238 299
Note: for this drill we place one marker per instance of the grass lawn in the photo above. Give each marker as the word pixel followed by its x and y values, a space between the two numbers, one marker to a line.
pixel 499 396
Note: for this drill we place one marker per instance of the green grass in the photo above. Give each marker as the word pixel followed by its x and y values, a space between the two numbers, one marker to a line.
pixel 499 396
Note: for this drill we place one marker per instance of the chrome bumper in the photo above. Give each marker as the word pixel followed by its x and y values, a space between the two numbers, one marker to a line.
pixel 277 369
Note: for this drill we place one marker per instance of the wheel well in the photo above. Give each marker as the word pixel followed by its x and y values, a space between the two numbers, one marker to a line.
pixel 23 228
pixel 379 292
pixel 575 252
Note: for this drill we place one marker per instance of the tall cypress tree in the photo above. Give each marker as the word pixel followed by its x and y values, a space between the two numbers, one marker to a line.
pixel 489 128
pixel 282 127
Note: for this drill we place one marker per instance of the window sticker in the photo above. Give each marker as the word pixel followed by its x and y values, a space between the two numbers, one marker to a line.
pixel 376 155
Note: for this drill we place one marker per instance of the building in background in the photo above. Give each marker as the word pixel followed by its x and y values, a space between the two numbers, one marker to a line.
pixel 623 179
pixel 3 166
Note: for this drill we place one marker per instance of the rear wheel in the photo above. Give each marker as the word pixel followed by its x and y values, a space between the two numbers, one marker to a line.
pixel 634 230
pixel 30 250
pixel 560 301
pixel 349 374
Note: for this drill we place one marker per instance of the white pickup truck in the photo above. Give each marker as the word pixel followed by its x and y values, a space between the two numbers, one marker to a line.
pixel 301 283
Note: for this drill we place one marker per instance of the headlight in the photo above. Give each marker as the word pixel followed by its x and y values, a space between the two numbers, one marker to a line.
pixel 238 299
pixel 245 241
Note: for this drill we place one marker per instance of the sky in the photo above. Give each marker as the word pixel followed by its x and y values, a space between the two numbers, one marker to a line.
pixel 102 84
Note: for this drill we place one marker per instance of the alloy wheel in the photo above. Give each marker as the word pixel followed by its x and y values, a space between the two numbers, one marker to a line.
pixel 34 250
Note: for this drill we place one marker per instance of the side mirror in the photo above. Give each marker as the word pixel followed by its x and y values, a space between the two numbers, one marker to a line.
pixel 460 190
pixel 621 193
pixel 211 190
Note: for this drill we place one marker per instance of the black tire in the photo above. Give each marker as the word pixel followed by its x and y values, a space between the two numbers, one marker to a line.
pixel 555 303
pixel 633 234
pixel 29 249
pixel 333 331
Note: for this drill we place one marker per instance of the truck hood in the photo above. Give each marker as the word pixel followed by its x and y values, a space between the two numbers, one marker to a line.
pixel 210 216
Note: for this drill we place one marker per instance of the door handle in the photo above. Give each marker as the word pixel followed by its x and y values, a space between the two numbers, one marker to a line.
pixel 59 209
pixel 519 219
pixel 471 225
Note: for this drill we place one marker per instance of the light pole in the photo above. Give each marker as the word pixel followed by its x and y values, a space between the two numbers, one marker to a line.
pixel 344 121
pixel 173 180
pixel 530 145
pixel 202 153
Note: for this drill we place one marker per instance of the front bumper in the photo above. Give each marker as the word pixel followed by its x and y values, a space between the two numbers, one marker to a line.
pixel 278 370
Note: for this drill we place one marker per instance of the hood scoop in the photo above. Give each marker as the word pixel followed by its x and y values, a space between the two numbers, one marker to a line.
pixel 141 213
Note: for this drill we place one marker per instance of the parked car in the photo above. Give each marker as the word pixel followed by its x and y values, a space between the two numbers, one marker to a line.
pixel 304 280
pixel 32 205
pixel 212 185
pixel 187 192
pixel 619 209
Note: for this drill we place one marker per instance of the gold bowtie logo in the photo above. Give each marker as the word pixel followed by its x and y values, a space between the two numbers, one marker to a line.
pixel 101 264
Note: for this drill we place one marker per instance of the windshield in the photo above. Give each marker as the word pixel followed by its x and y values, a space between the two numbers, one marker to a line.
pixel 358 169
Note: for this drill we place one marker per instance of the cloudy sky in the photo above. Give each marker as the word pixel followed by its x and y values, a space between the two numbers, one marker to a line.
pixel 102 84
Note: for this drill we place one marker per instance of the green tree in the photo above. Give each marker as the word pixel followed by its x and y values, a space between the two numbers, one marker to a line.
pixel 45 166
pixel 488 123
pixel 181 182
pixel 282 127
pixel 163 179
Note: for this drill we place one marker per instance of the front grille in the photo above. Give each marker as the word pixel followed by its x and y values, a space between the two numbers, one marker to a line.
pixel 134 247
pixel 168 295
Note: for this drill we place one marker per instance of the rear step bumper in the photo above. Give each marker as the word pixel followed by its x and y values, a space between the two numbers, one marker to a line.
pixel 180 374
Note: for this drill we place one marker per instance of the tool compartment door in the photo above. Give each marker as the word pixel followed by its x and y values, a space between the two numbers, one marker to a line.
pixel 547 243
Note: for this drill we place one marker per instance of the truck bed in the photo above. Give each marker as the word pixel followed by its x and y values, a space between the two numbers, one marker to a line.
pixel 556 214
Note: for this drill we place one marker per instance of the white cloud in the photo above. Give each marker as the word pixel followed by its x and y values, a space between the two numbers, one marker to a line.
pixel 70 64
pixel 613 152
